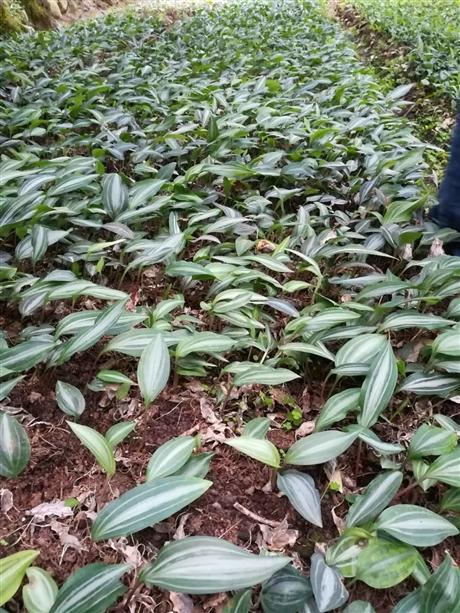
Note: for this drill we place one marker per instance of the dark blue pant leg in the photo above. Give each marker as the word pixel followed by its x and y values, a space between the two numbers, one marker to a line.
pixel 449 194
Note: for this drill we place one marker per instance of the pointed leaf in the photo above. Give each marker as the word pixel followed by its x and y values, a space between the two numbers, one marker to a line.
pixel 338 407
pixel 91 589
pixel 40 593
pixel 257 428
pixel 118 432
pixel 170 457
pixel 97 445
pixel 379 493
pixel 259 449
pixel 378 386
pixel 69 399
pixel 14 446
pixel 326 582
pixel 445 469
pixel 285 591
pixel 302 494
pixel 207 565
pixel 441 593
pixel 430 440
pixel 204 342
pixel 319 447
pixel 12 571
pixel 146 505
pixel 196 466
pixel 153 369
pixel 415 525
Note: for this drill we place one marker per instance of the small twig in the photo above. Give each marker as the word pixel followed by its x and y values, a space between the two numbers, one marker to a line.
pixel 261 520
pixel 407 489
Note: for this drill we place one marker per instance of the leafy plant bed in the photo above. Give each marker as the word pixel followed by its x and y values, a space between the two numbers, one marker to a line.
pixel 230 352
pixel 430 109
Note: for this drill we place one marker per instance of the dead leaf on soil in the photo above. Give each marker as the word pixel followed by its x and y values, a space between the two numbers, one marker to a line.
pixel 131 554
pixel 67 540
pixel 214 603
pixel 436 248
pixel 50 509
pixel 181 603
pixel 6 500
pixel 305 429
pixel 207 411
pixel 180 532
pixel 277 538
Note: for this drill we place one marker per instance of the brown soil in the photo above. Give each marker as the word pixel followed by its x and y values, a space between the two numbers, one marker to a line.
pixel 60 468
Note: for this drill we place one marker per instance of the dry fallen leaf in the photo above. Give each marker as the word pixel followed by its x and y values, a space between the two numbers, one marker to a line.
pixel 6 500
pixel 50 509
pixel 180 532
pixel 207 410
pixel 305 429
pixel 67 540
pixel 181 603
pixel 277 538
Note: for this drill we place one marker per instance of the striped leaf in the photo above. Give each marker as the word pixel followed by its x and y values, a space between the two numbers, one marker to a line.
pixel 360 350
pixel 344 553
pixel 379 493
pixel 451 500
pixel 39 240
pixel 264 375
pixel 257 428
pixel 113 376
pixel 441 593
pixel 445 469
pixel 410 604
pixel 330 318
pixel 447 343
pixel 414 319
pixel 114 195
pixel 383 564
pixel 170 457
pixel 146 505
pixel 371 439
pixel 430 440
pixel 7 386
pixel 96 445
pixel 153 369
pixel 204 342
pixel 134 342
pixel 208 565
pixel 40 593
pixel 82 341
pixel 69 399
pixel 338 407
pixel 91 589
pixel 285 592
pixel 415 525
pixel 142 191
pixel 71 184
pixel 320 350
pixel 118 432
pixel 84 320
pixel 302 494
pixel 326 582
pixel 25 355
pixel 12 571
pixel 196 466
pixel 431 385
pixel 447 423
pixel 240 603
pixel 259 449
pixel 319 447
pixel 378 386
pixel 14 446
